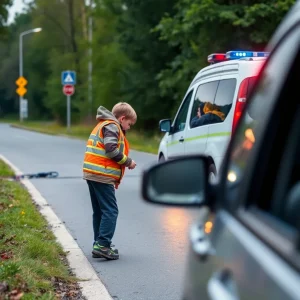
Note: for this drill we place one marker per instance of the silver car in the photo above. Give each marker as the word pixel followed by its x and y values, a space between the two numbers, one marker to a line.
pixel 253 249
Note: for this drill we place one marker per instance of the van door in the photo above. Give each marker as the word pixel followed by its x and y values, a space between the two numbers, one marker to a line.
pixel 197 128
pixel 219 130
pixel 176 138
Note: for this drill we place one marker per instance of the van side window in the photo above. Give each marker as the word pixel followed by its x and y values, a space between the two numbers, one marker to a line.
pixel 224 97
pixel 204 100
pixel 180 121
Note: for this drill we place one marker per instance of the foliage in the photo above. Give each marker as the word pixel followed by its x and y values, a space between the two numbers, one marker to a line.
pixel 4 5
pixel 148 55
pixel 202 27
pixel 32 263
pixel 144 52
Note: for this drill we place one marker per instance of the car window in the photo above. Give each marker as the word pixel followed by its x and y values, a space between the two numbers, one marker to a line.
pixel 253 161
pixel 286 204
pixel 203 104
pixel 180 121
pixel 224 97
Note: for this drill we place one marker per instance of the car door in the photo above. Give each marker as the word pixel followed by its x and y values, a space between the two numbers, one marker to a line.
pixel 253 249
pixel 196 133
pixel 176 138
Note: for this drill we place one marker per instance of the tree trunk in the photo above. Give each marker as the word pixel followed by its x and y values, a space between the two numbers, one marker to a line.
pixel 72 33
pixel 84 20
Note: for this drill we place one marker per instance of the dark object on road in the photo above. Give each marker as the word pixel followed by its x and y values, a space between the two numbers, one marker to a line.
pixel 52 174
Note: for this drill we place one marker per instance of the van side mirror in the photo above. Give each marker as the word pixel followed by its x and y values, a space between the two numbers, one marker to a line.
pixel 182 181
pixel 165 125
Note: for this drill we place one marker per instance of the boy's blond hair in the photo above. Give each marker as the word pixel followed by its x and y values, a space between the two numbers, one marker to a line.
pixel 124 109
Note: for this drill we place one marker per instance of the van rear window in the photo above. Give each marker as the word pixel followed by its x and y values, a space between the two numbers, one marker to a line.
pixel 224 96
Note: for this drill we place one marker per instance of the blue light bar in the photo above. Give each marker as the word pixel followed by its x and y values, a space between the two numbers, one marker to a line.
pixel 245 54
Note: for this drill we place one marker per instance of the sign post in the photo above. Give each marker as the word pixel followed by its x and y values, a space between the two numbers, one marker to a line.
pixel 69 113
pixel 68 90
pixel 24 108
pixel 68 80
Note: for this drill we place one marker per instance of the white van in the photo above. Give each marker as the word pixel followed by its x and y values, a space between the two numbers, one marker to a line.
pixel 220 90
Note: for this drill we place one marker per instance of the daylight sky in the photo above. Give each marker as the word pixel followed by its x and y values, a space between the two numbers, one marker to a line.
pixel 17 7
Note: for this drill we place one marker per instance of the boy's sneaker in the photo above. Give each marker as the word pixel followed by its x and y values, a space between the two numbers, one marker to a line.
pixel 105 252
pixel 100 256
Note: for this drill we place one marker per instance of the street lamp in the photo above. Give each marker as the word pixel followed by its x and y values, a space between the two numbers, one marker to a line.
pixel 21 61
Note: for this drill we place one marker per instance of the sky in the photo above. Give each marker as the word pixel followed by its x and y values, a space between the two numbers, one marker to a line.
pixel 17 7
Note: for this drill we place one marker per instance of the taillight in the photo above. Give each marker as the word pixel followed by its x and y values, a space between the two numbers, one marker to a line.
pixel 240 103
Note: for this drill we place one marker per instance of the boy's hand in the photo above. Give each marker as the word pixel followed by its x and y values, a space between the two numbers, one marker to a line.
pixel 132 165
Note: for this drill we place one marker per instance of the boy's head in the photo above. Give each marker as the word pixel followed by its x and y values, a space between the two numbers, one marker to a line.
pixel 125 114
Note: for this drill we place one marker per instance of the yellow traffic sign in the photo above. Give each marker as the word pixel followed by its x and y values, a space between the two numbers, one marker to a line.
pixel 21 82
pixel 21 91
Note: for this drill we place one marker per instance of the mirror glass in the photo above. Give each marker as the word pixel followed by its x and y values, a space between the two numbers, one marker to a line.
pixel 181 181
pixel 165 125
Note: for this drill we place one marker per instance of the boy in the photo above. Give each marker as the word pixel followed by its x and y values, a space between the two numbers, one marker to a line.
pixel 104 164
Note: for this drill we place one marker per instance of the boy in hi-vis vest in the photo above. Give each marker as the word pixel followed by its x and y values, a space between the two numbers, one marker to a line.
pixel 105 160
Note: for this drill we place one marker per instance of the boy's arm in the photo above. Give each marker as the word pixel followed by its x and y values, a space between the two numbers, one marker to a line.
pixel 111 137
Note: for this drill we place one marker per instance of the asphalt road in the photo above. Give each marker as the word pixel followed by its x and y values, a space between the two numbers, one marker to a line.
pixel 152 240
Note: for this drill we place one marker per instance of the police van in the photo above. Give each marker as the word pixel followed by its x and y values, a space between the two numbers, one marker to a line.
pixel 211 107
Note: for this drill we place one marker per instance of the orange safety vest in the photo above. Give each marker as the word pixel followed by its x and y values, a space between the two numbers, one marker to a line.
pixel 97 162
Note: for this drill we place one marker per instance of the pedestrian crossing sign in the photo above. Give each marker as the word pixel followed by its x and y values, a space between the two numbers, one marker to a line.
pixel 68 77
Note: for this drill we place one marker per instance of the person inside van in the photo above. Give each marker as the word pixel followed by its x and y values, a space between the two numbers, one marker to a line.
pixel 207 113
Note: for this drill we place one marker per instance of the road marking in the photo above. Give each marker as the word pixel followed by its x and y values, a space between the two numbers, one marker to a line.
pixel 90 284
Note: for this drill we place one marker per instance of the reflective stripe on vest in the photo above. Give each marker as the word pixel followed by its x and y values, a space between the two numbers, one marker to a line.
pixel 93 149
pixel 102 169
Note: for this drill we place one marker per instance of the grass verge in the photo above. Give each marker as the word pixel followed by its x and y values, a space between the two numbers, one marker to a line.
pixel 138 140
pixel 32 264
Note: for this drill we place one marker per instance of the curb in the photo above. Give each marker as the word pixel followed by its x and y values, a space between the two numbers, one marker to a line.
pixel 90 284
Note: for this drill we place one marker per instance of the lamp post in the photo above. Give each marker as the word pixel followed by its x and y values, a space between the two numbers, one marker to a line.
pixel 21 62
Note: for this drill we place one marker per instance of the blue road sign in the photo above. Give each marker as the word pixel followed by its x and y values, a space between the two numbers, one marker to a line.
pixel 68 77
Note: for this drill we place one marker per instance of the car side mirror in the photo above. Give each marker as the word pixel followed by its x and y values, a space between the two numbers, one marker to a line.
pixel 165 125
pixel 182 181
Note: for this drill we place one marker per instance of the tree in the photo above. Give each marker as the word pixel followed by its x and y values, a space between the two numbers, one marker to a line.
pixel 148 56
pixel 4 6
pixel 108 58
pixel 9 64
pixel 201 27
pixel 59 47
pixel 145 52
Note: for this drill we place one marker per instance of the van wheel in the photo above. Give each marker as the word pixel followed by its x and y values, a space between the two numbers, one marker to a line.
pixel 212 173
pixel 161 158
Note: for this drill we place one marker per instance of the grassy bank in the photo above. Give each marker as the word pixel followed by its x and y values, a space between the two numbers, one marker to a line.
pixel 138 140
pixel 32 263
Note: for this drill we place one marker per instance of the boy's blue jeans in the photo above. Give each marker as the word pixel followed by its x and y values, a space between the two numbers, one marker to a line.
pixel 105 211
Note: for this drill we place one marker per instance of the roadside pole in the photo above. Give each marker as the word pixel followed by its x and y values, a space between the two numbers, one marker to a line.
pixel 68 80
pixel 68 113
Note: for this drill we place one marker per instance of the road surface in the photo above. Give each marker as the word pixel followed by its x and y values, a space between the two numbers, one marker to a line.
pixel 152 240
